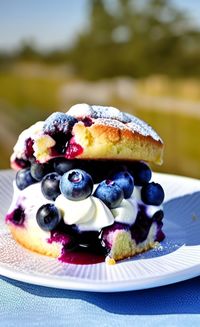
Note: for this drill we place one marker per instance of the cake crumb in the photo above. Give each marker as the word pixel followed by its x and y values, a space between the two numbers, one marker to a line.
pixel 110 261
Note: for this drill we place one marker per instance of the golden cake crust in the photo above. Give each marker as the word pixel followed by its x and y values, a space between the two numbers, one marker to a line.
pixel 101 141
pixel 100 133
pixel 115 135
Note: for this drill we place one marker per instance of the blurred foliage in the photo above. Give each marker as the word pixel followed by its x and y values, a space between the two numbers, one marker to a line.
pixel 130 38
pixel 137 39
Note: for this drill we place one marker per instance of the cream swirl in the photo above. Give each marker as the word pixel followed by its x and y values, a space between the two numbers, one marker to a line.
pixel 127 211
pixel 88 214
pixel 92 214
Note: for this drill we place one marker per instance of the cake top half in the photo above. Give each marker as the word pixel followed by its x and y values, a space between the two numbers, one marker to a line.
pixel 88 132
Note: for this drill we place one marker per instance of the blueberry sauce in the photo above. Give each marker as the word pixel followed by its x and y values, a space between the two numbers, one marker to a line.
pixel 68 149
pixel 81 256
pixel 21 163
pixel 91 248
pixel 59 237
pixel 160 235
pixel 78 248
pixel 16 217
pixel 73 150
pixel 29 148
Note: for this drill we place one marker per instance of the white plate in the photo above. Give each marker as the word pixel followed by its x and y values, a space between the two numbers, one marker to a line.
pixel 177 259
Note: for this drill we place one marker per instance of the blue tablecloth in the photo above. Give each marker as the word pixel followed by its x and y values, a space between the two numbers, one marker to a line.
pixel 24 304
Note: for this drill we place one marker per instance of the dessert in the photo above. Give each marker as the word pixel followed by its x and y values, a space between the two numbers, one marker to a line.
pixel 83 190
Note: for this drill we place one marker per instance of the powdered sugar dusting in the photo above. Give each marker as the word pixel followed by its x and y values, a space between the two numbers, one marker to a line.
pixel 139 126
pixel 110 122
pixel 95 112
pixel 109 113
pixel 111 116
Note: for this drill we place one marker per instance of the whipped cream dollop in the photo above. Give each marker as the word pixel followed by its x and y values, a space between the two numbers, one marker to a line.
pixel 127 211
pixel 92 214
pixel 88 214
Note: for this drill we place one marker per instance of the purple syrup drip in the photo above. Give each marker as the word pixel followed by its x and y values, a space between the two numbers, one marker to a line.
pixel 81 257
pixel 16 217
pixel 75 255
pixel 160 234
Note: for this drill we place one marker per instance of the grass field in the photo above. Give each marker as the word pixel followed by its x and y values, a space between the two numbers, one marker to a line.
pixel 27 97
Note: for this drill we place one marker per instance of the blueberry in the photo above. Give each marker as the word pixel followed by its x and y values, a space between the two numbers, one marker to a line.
pixel 110 193
pixel 17 216
pixel 62 165
pixel 141 173
pixel 98 169
pixel 59 122
pixel 48 216
pixel 50 186
pixel 76 185
pixel 91 241
pixel 158 216
pixel 87 239
pixel 61 140
pixel 125 180
pixel 24 178
pixel 38 171
pixel 141 227
pixel 152 194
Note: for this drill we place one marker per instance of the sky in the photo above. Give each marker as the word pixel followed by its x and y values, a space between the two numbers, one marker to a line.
pixel 51 23
pixel 54 23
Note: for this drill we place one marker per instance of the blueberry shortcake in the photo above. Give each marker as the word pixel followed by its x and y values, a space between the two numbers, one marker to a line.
pixel 83 190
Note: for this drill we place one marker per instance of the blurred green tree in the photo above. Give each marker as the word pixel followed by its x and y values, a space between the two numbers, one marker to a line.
pixel 137 38
pixel 28 51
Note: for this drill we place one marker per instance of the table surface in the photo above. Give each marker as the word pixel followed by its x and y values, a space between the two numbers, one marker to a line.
pixel 30 305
